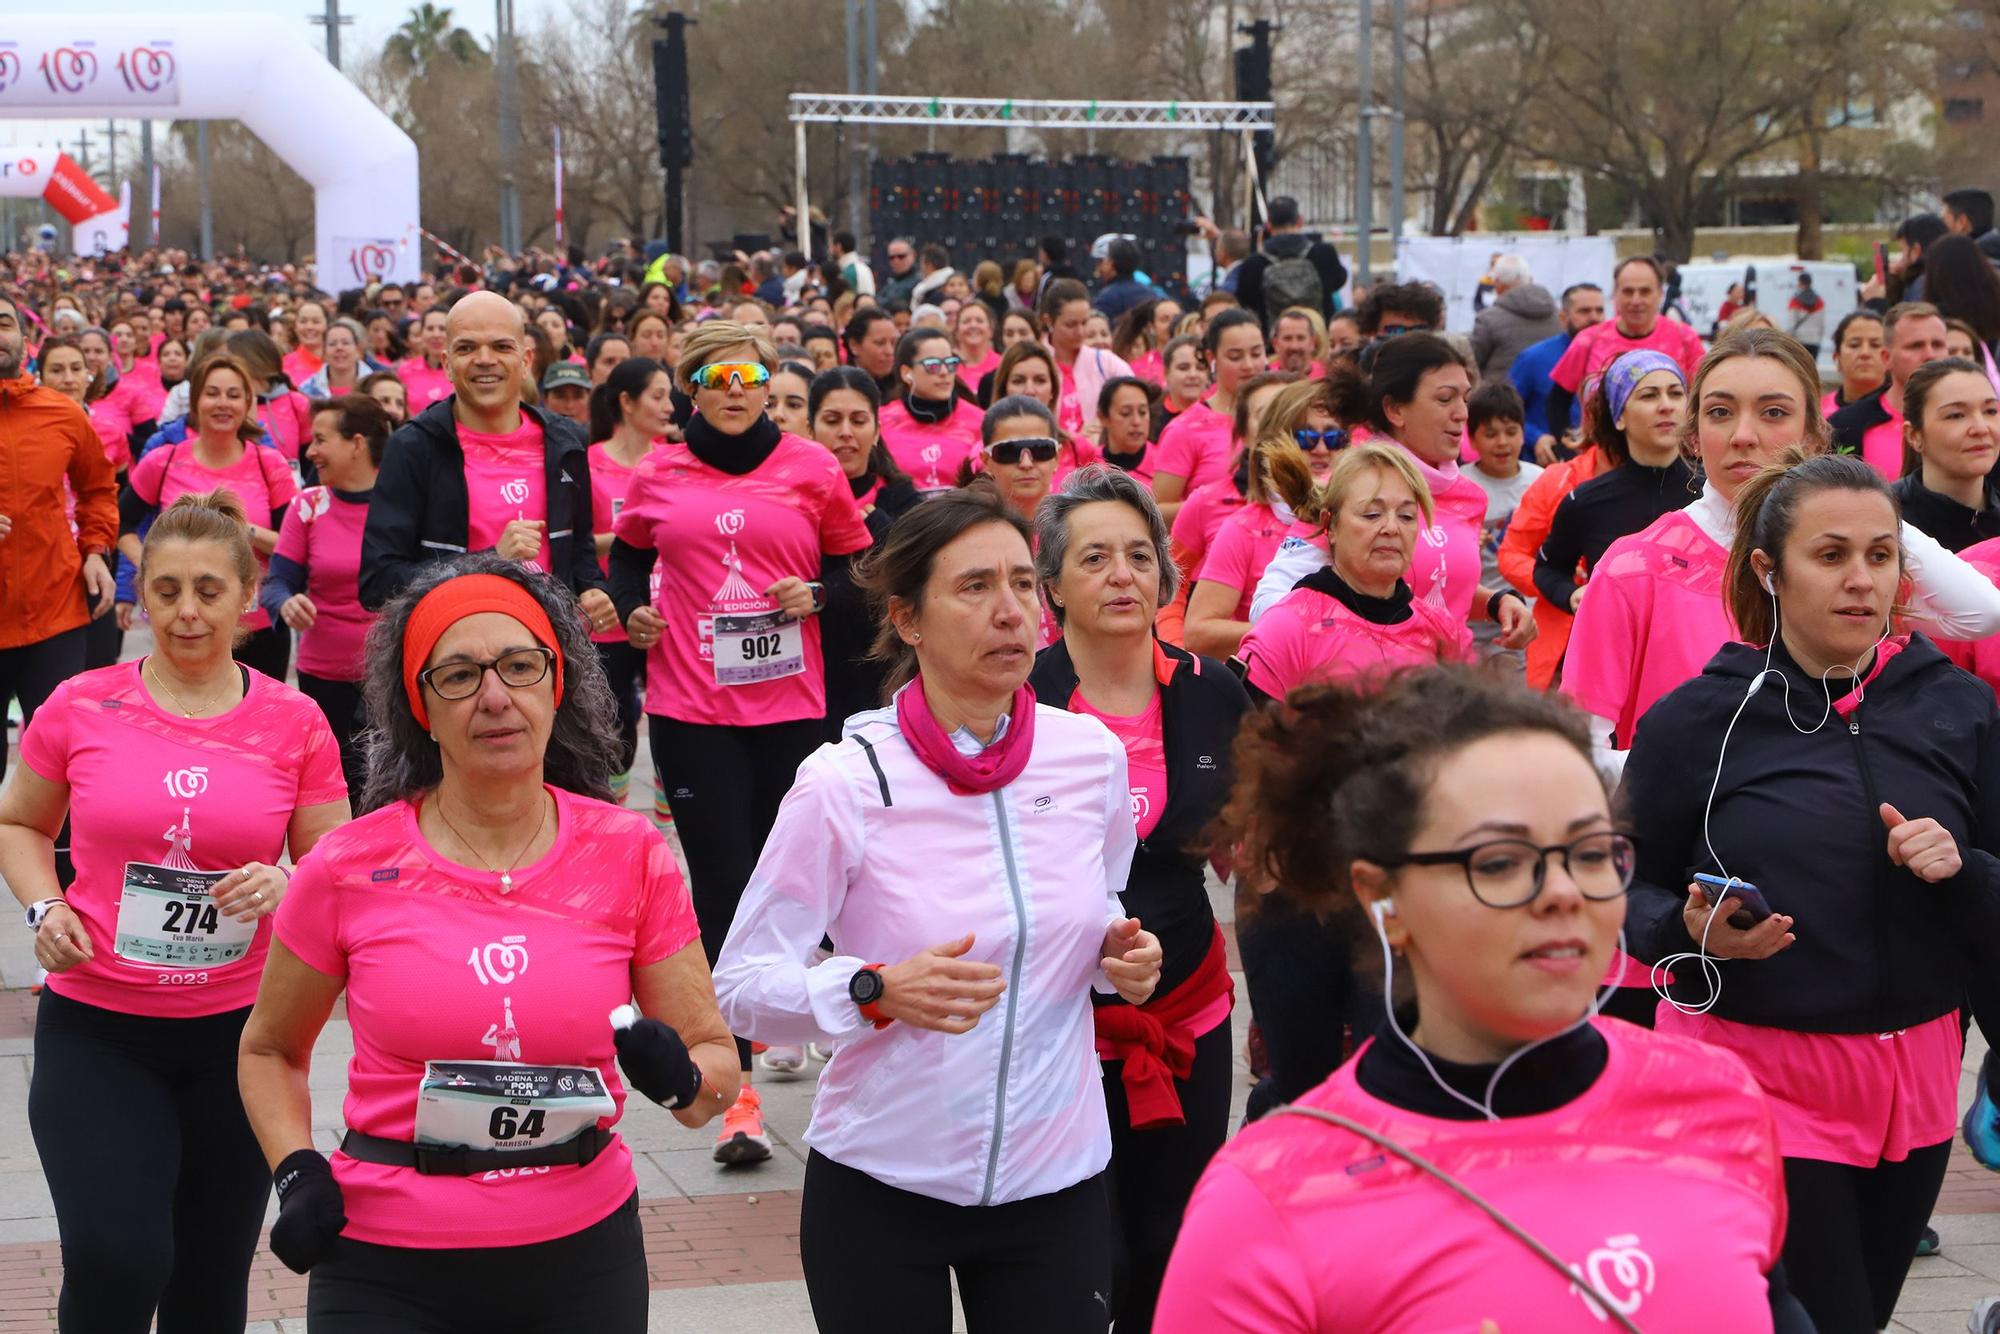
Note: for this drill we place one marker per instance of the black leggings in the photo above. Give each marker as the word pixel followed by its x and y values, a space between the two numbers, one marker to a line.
pixel 158 1184
pixel 726 786
pixel 1305 997
pixel 32 672
pixel 1153 1172
pixel 103 641
pixel 625 669
pixel 590 1282
pixel 1853 1232
pixel 340 701
pixel 268 651
pixel 877 1258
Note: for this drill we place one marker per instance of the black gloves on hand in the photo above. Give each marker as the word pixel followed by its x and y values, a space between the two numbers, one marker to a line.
pixel 310 1211
pixel 656 1062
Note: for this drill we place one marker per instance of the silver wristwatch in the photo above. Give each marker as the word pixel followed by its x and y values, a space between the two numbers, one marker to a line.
pixel 39 909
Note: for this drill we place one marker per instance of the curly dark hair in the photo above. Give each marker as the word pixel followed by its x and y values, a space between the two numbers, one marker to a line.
pixel 404 761
pixel 1336 773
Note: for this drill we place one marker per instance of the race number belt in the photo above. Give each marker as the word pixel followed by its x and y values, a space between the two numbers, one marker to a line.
pixel 501 1110
pixel 168 918
pixel 763 646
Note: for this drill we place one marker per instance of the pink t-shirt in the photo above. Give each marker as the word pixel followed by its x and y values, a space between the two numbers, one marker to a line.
pixel 1148 367
pixel 147 787
pixel 260 479
pixel 1445 568
pixel 1198 445
pixel 1661 1183
pixel 506 478
pixel 970 373
pixel 287 422
pixel 1308 636
pixel 422 385
pixel 1853 1098
pixel 1601 344
pixel 142 390
pixel 609 482
pixel 1243 546
pixel 1070 414
pixel 111 418
pixel 1652 618
pixel 441 964
pixel 931 454
pixel 1201 517
pixel 1145 757
pixel 322 532
pixel 1882 445
pixel 723 539
pixel 1981 657
pixel 299 365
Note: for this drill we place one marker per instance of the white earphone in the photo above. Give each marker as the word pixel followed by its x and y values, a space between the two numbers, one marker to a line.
pixel 1383 908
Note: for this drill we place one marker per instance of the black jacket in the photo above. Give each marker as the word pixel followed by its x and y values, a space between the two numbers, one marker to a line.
pixel 420 513
pixel 1201 703
pixel 1857 419
pixel 847 631
pixel 1796 815
pixel 1605 508
pixel 1289 245
pixel 1939 516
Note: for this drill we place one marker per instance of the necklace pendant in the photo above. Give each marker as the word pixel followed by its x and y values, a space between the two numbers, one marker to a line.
pixel 506 882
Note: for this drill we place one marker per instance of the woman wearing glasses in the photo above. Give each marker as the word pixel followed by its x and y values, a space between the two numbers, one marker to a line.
pixel 483 919
pixel 1841 771
pixel 1298 428
pixel 1456 824
pixel 930 430
pixel 746 525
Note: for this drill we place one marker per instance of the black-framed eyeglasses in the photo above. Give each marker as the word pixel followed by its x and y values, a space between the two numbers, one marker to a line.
pixel 1309 439
pixel 936 364
pixel 1008 452
pixel 1510 872
pixel 517 669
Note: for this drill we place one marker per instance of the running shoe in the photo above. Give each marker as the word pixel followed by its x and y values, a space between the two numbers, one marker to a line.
pixel 743 1140
pixel 1928 1243
pixel 1982 1120
pixel 783 1060
pixel 1985 1317
pixel 821 1051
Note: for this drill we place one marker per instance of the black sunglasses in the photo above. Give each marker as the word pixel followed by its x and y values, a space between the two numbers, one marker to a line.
pixel 1008 452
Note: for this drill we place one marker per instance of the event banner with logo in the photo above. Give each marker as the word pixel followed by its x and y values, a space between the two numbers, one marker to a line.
pixel 93 66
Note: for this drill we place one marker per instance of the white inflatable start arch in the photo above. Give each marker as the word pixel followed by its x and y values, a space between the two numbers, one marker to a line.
pixel 229 66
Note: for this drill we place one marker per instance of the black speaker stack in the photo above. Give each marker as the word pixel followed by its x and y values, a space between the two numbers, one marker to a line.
pixel 1000 207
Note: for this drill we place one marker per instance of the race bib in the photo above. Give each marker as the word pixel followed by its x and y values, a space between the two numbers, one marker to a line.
pixel 764 646
pixel 168 918
pixel 507 1105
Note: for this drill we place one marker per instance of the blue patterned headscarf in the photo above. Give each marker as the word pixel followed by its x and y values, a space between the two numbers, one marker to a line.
pixel 1622 376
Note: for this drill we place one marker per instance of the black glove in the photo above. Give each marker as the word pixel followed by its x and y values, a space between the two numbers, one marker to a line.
pixel 310 1211
pixel 656 1062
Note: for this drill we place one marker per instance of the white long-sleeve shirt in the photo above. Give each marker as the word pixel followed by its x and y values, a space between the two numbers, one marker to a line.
pixel 873 850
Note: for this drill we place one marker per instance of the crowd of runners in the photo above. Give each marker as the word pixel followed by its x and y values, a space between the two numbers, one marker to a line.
pixel 1593 720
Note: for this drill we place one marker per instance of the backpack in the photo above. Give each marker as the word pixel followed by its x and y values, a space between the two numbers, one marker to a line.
pixel 1292 281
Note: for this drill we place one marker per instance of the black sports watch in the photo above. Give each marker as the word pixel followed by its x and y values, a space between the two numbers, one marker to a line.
pixel 865 987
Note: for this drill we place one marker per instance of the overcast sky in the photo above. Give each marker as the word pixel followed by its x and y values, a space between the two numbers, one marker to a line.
pixel 374 20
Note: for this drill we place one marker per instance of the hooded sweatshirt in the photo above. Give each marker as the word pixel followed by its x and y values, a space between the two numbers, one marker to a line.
pixel 1522 317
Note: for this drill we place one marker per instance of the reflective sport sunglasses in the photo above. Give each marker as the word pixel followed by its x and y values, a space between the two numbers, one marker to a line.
pixel 936 364
pixel 1309 440
pixel 1008 452
pixel 717 375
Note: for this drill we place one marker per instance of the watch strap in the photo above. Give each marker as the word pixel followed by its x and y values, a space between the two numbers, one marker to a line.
pixel 872 1011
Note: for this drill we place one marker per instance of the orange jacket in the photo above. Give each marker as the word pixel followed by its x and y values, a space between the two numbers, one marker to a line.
pixel 45 438
pixel 1526 532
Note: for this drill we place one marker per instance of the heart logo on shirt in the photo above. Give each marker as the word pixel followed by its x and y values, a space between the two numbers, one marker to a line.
pixel 515 492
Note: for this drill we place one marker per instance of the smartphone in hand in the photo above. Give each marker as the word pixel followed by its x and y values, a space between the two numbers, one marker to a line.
pixel 1752 908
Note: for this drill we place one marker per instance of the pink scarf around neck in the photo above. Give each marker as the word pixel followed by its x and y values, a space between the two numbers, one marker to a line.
pixel 967 775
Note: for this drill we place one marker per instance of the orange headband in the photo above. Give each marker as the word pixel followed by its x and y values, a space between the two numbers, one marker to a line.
pixel 454 600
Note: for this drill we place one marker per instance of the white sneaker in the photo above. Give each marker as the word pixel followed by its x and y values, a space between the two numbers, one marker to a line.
pixel 1985 1317
pixel 783 1060
pixel 822 1051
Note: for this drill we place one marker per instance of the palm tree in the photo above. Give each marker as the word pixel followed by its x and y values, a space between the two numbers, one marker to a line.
pixel 427 34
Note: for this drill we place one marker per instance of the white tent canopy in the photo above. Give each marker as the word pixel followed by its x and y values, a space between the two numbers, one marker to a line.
pixel 258 69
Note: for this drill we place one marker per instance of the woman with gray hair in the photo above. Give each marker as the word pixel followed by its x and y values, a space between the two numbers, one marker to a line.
pixel 1101 551
pixel 490 982
pixel 346 365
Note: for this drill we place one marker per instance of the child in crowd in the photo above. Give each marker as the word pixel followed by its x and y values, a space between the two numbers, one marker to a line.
pixel 1494 418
